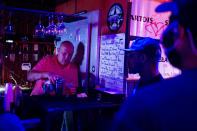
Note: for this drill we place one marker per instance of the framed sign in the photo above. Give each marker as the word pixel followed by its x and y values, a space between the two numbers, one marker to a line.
pixel 115 17
pixel 145 22
pixel 111 67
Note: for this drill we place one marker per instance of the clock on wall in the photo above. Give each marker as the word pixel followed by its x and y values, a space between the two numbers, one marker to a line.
pixel 115 17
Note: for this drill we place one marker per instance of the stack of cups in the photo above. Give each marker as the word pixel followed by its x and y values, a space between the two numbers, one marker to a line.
pixel 59 86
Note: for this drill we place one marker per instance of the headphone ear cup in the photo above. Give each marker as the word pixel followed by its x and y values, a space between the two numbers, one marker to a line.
pixel 175 29
pixel 170 34
pixel 158 54
pixel 193 46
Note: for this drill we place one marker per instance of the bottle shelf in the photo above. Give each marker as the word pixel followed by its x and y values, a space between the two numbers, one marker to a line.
pixel 16 53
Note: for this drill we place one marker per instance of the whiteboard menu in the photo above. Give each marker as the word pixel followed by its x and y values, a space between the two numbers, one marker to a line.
pixel 111 69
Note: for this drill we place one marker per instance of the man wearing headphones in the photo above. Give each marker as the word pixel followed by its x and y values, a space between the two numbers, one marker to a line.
pixel 170 105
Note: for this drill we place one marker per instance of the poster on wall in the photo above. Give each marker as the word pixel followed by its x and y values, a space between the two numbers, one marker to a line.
pixel 165 68
pixel 145 22
pixel 111 69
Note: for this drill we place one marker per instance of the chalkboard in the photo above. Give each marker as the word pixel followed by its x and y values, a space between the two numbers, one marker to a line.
pixel 111 69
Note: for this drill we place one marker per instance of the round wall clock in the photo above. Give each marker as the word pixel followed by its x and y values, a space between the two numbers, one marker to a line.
pixel 115 17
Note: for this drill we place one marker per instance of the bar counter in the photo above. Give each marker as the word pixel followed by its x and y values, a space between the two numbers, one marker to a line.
pixel 62 103
pixel 87 112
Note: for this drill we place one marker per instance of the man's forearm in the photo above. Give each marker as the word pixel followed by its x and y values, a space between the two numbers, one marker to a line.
pixel 36 75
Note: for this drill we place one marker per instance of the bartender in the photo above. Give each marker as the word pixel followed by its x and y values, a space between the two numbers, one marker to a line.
pixel 53 67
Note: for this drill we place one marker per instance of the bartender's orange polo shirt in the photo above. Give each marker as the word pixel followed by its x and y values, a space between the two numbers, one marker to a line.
pixel 50 64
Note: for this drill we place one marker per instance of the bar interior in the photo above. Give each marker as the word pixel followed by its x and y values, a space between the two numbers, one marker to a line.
pixel 98 81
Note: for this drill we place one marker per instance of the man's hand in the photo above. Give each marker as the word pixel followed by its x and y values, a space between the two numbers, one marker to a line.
pixel 52 77
pixel 82 95
pixel 37 75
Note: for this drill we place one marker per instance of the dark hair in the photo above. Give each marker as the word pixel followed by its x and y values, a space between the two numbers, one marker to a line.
pixel 152 48
pixel 186 16
pixel 153 52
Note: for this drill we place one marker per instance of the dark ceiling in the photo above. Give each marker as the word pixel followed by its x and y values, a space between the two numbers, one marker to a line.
pixel 45 5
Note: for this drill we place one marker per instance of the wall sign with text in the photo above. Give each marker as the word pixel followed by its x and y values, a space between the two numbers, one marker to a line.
pixel 111 67
pixel 145 22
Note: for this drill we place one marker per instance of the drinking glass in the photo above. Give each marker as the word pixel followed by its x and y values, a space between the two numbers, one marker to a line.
pixel 51 29
pixel 39 29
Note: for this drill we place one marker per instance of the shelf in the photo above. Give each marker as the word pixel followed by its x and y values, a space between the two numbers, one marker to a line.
pixel 33 42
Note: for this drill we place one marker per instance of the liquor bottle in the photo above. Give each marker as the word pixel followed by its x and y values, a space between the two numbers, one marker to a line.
pixel 48 50
pixel 40 51
pixel 53 49
pixel 17 95
pixel 19 53
pixel 12 52
pixel 17 99
pixel 6 50
pixel 30 52
pixel 35 53
pixel 25 53
pixel 45 52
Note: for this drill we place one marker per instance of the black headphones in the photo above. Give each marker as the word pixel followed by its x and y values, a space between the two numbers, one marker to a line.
pixel 170 34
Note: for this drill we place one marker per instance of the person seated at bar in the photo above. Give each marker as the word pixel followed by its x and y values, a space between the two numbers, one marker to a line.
pixel 51 67
pixel 143 57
